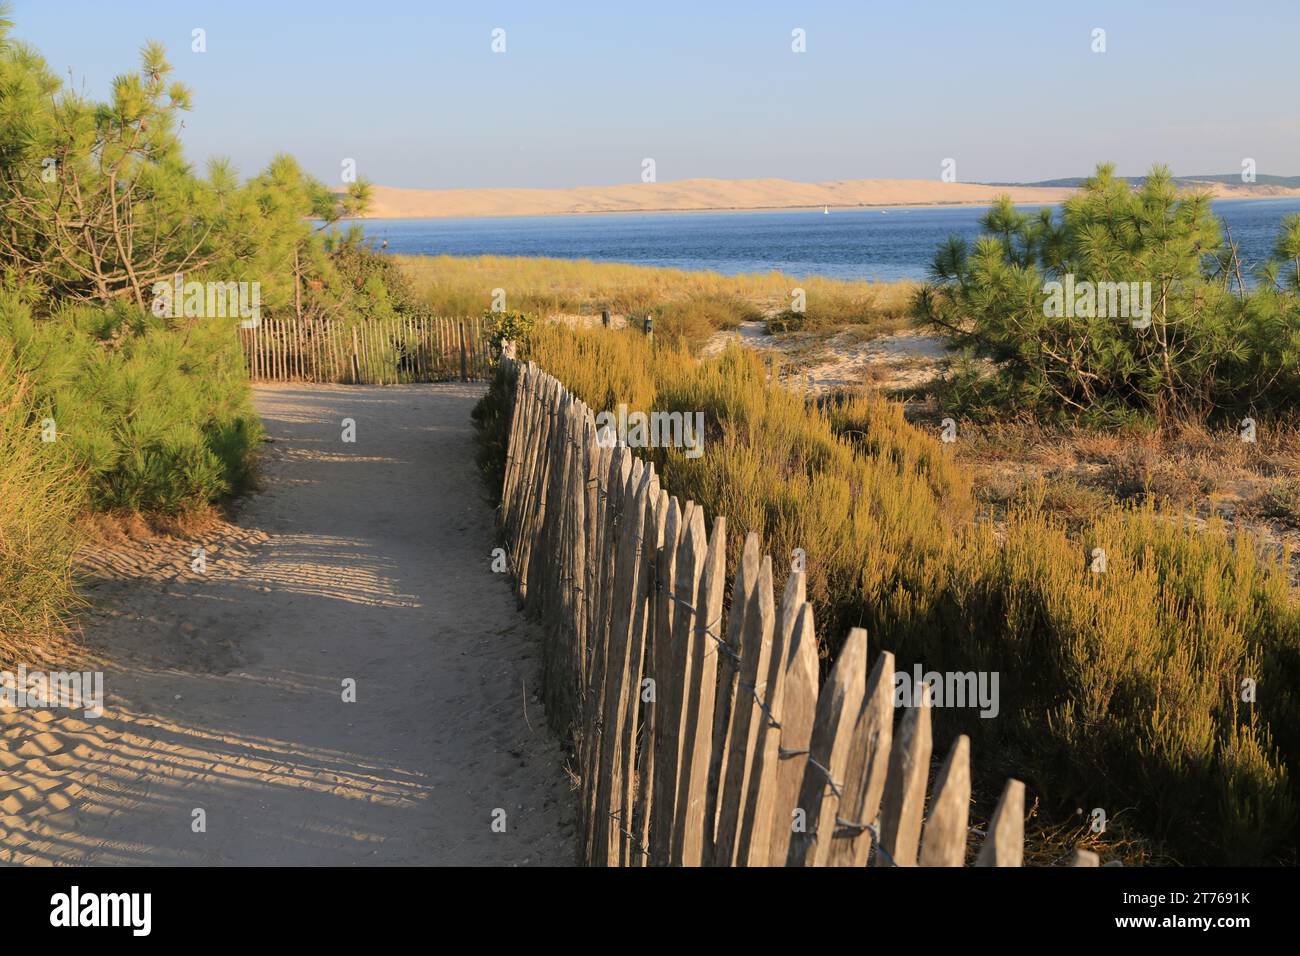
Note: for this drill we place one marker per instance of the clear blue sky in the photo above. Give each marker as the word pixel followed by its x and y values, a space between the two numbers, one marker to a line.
pixel 584 91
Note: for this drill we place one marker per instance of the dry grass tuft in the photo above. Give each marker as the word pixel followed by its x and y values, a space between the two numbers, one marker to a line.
pixel 40 493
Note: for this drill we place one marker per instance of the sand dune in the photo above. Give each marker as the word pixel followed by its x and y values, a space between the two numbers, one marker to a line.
pixel 1243 191
pixel 688 195
pixel 719 194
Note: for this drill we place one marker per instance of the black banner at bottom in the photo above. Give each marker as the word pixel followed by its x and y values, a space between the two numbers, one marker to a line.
pixel 330 906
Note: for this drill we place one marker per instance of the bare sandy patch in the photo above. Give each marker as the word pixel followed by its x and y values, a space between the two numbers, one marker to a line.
pixel 825 361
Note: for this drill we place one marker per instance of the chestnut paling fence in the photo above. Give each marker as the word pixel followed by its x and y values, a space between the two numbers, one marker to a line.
pixel 369 352
pixel 703 737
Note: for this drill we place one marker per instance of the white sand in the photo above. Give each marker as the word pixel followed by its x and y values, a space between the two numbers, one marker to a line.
pixel 366 560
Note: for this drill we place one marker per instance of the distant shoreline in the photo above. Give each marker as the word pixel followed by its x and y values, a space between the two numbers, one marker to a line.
pixel 728 209
pixel 742 195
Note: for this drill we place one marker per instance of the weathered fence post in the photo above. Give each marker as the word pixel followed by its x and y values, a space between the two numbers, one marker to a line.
pixel 665 664
pixel 356 362
pixel 944 843
pixel 692 825
pixel 904 799
pixel 613 820
pixel 729 654
pixel 819 797
pixel 756 823
pixel 1004 843
pixel 747 716
pixel 863 780
pixel 798 709
pixel 464 364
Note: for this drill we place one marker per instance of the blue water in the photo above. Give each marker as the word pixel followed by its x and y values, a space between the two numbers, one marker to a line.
pixel 881 244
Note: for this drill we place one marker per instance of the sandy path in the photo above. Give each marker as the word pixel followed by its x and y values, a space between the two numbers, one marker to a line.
pixel 367 561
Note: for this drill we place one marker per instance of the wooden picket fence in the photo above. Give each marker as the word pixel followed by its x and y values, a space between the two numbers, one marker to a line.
pixel 702 737
pixel 370 352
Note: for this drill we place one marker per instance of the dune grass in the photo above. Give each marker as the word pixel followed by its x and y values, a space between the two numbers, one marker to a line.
pixel 687 306
pixel 1120 689
pixel 40 493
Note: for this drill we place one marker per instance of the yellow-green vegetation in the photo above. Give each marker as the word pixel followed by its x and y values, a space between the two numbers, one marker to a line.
pixel 1123 688
pixel 1127 683
pixel 39 495
pixel 687 306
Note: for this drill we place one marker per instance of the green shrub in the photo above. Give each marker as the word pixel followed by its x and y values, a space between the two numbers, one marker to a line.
pixel 1192 339
pixel 514 327
pixel 156 418
pixel 155 410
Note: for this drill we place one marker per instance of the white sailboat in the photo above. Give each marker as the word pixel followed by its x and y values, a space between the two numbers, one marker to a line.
pixel 826 210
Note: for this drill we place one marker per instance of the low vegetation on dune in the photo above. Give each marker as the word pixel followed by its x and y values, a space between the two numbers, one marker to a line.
pixel 686 306
pixel 1155 684
pixel 1201 470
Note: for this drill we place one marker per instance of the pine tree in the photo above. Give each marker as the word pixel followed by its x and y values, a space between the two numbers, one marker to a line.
pixel 98 203
pixel 1206 345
